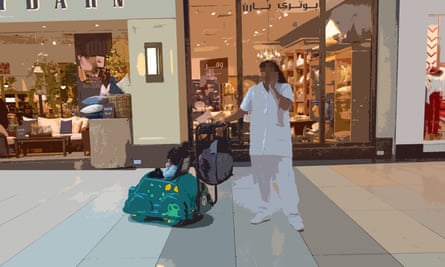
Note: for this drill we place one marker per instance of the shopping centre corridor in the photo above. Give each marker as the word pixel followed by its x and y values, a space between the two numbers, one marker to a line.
pixel 390 214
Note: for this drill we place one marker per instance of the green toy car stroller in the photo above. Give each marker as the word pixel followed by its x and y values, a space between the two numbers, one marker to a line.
pixel 184 198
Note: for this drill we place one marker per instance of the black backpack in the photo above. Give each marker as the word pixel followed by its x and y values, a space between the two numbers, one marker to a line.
pixel 215 163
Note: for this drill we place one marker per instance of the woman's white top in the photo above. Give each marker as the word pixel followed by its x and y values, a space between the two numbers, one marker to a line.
pixel 267 135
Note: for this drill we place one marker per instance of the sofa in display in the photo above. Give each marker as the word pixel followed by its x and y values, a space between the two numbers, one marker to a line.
pixel 75 127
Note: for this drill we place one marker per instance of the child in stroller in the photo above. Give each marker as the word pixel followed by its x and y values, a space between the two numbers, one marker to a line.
pixel 174 158
pixel 173 199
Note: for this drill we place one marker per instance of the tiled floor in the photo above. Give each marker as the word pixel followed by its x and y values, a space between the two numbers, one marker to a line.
pixel 355 215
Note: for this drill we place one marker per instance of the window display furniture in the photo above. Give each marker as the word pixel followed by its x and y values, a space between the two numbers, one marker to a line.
pixel 75 129
pixel 22 143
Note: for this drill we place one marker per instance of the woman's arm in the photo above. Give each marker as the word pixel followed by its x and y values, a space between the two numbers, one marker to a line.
pixel 283 102
pixel 235 116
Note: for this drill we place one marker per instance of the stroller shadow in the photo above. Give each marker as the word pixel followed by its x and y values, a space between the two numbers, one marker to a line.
pixel 200 222
pixel 204 221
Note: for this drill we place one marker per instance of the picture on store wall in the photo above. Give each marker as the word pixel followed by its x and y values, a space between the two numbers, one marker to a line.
pixel 4 68
pixel 434 119
pixel 214 74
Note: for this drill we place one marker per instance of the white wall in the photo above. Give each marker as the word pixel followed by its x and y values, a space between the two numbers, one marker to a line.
pixel 413 25
pixel 156 106
pixel 386 70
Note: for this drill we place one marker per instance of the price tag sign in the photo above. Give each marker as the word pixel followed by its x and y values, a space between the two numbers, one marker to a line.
pixel 20 131
pixel 108 111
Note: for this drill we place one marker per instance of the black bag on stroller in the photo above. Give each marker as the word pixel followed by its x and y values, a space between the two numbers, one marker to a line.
pixel 214 160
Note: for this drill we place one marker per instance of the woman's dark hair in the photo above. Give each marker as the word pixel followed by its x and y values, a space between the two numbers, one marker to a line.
pixel 176 154
pixel 274 65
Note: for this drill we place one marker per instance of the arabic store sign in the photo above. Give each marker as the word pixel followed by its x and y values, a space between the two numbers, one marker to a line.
pixel 61 4
pixel 297 6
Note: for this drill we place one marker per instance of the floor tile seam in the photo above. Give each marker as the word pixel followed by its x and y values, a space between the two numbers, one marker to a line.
pixel 345 213
pixel 376 200
pixel 338 202
pixel 434 231
pixel 423 209
pixel 40 203
pixel 7 198
pixel 100 240
pixel 125 258
pixel 421 253
pixel 333 182
pixel 362 228
pixel 378 240
pixel 353 185
pixel 20 214
pixel 233 221
pixel 49 230
pixel 351 254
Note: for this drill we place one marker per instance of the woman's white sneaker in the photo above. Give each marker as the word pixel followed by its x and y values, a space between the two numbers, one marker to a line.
pixel 260 217
pixel 296 222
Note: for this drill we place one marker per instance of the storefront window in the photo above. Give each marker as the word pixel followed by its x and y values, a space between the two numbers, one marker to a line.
pixel 348 72
pixel 324 49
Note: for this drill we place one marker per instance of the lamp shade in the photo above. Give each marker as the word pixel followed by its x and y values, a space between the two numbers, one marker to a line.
pixel 38 69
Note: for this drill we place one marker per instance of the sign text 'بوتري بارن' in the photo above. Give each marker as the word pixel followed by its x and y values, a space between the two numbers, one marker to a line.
pixel 283 6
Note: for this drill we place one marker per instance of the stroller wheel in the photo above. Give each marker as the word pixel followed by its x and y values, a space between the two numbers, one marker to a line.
pixel 205 202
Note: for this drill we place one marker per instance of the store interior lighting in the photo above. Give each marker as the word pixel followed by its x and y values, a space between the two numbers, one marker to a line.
pixel 270 51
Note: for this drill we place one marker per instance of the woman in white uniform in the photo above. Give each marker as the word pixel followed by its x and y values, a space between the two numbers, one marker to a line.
pixel 270 150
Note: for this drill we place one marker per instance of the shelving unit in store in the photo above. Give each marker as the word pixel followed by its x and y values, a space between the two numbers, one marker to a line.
pixel 297 69
pixel 351 91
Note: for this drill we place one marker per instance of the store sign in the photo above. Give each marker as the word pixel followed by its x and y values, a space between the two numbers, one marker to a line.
pixel 62 4
pixel 285 6
pixel 215 69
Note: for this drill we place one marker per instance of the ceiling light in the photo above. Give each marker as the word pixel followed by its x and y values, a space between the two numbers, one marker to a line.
pixel 229 12
pixel 54 43
pixel 96 25
pixel 43 26
pixel 271 50
pixel 213 13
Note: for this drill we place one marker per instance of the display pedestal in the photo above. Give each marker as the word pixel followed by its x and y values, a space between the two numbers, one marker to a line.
pixel 109 139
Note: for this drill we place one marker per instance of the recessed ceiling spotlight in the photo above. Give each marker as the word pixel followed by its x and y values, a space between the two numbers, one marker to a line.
pixel 96 25
pixel 258 12
pixel 229 12
pixel 285 14
pixel 213 13
pixel 43 26
pixel 54 43
pixel 245 12
pixel 198 45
